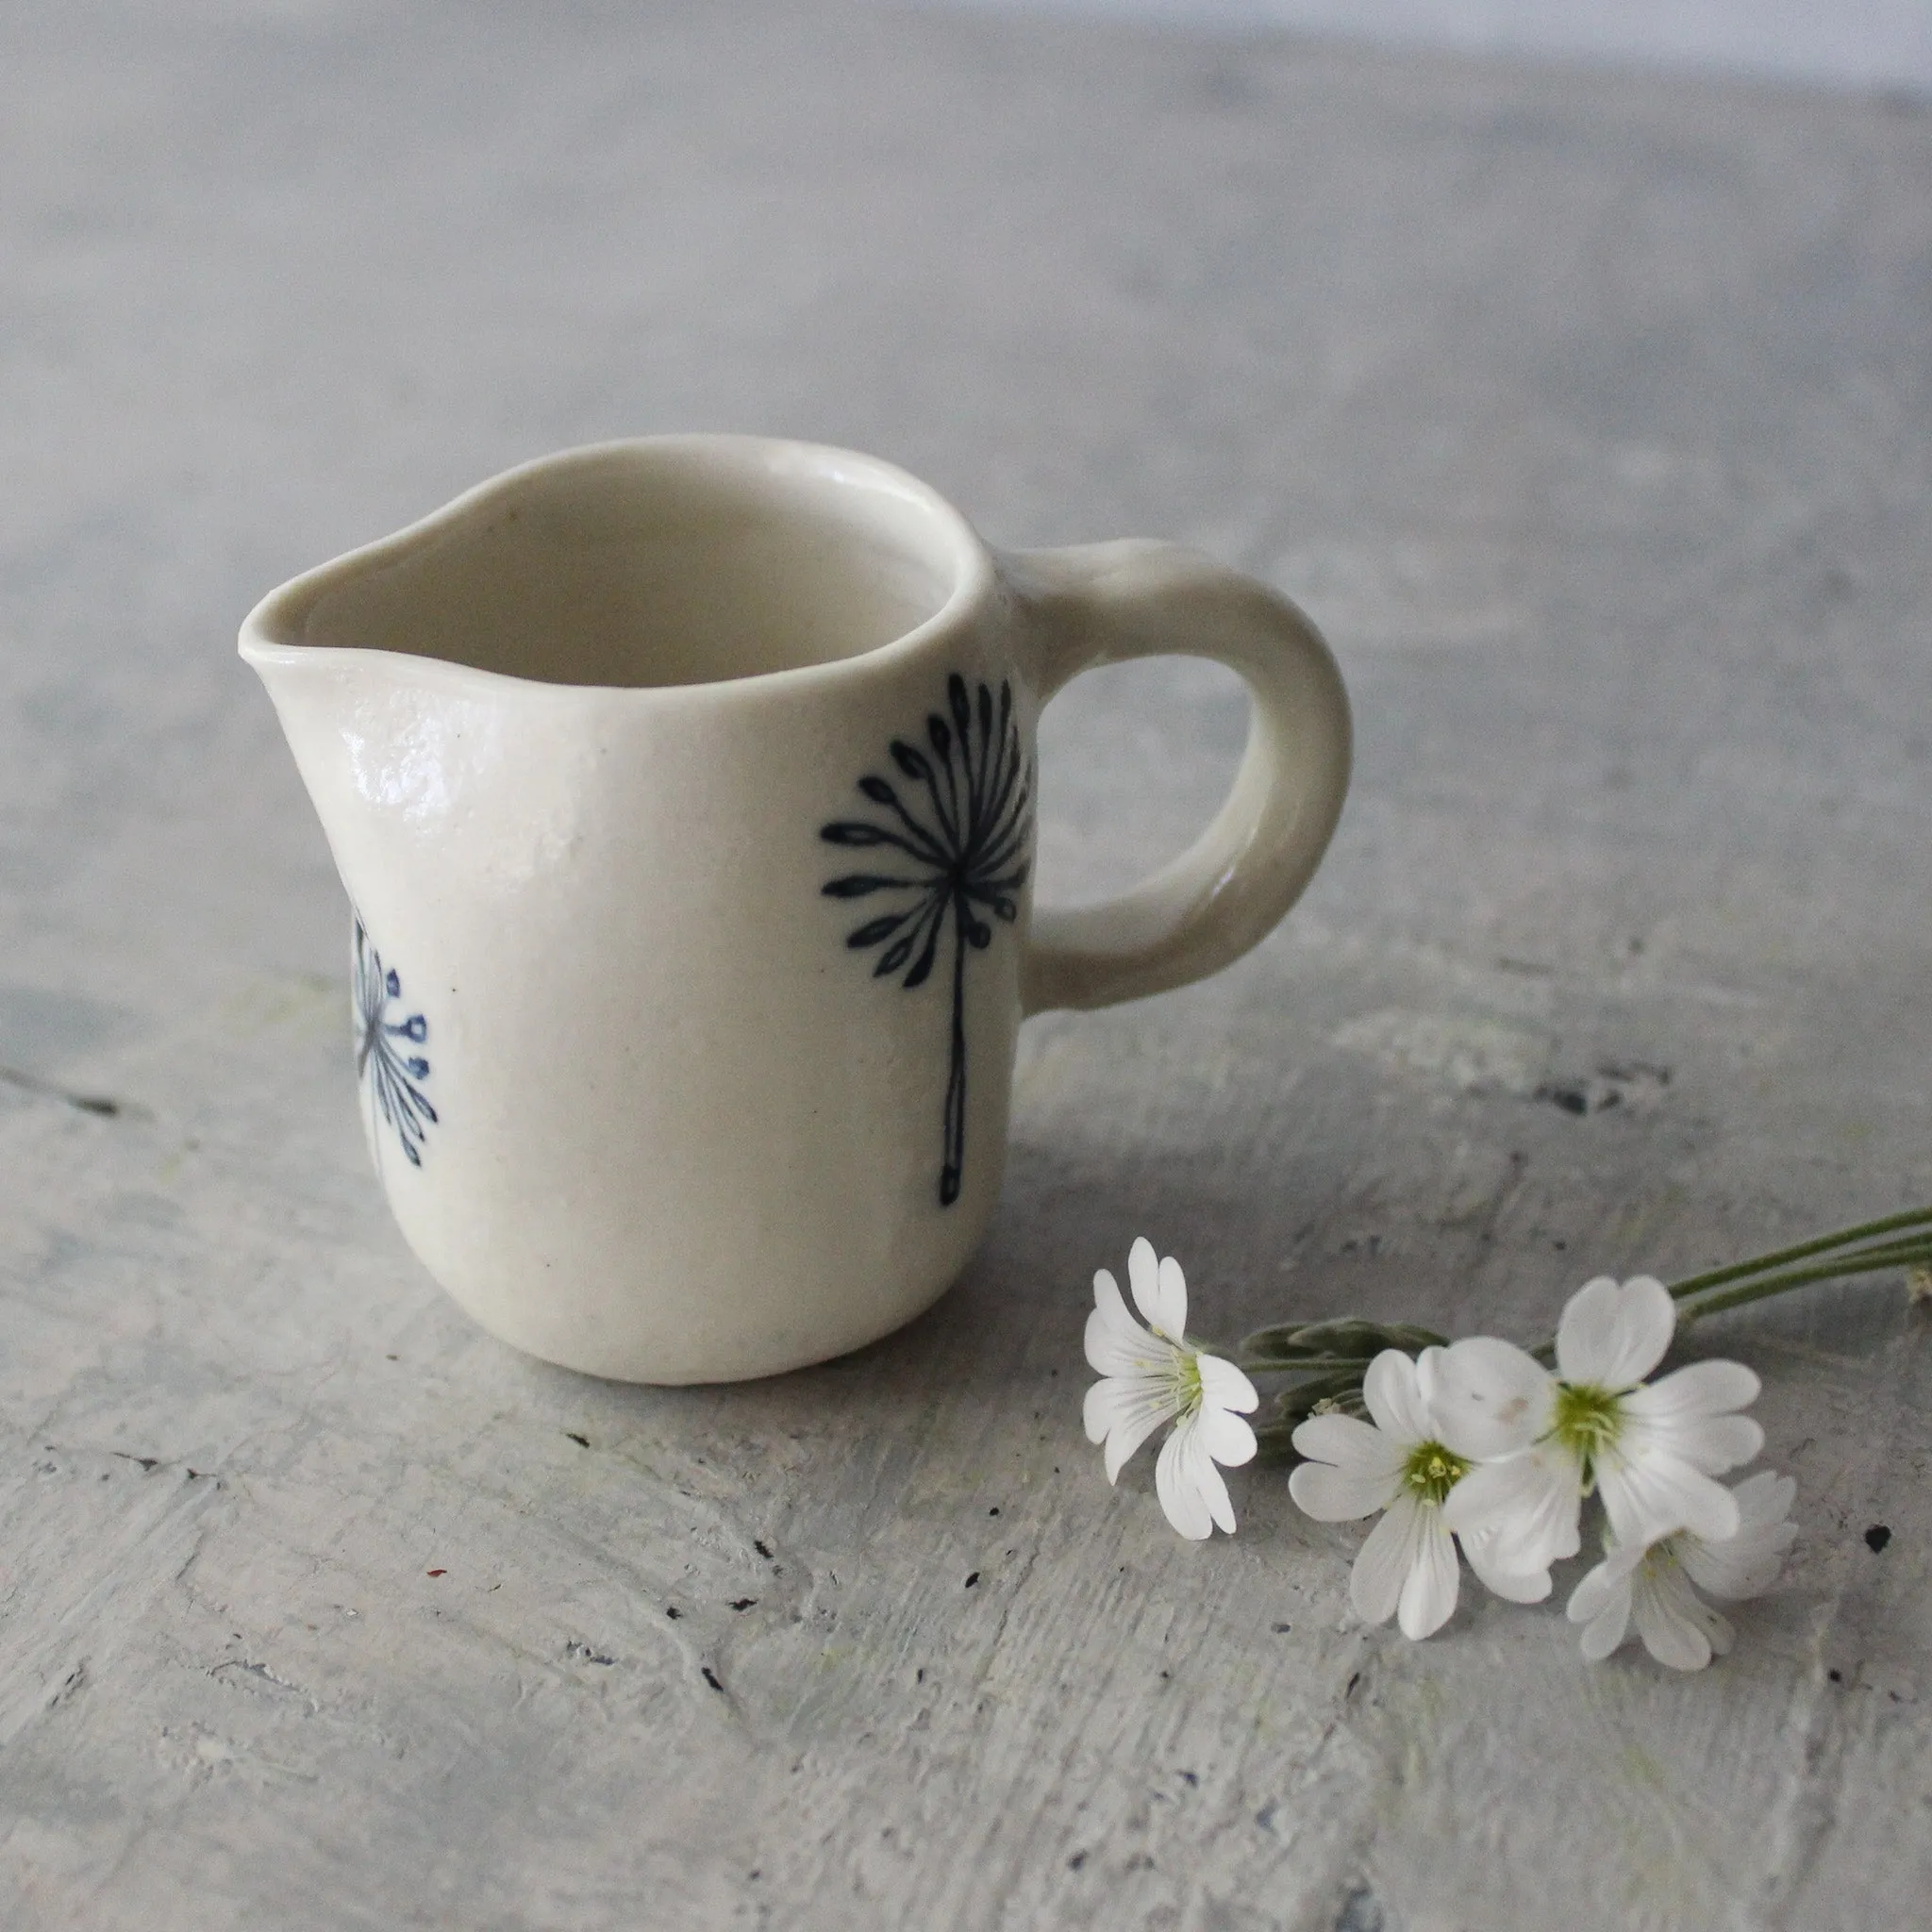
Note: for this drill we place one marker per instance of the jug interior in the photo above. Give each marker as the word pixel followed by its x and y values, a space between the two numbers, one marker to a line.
pixel 646 565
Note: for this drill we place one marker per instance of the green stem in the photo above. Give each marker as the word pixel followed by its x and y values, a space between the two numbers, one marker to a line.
pixel 1822 1244
pixel 1881 1258
pixel 1275 1365
pixel 1872 1262
pixel 1851 1251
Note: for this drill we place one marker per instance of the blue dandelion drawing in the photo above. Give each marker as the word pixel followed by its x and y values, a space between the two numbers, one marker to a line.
pixel 961 836
pixel 383 1050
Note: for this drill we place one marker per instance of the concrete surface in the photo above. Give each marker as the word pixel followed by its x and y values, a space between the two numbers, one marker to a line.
pixel 1872 43
pixel 1591 418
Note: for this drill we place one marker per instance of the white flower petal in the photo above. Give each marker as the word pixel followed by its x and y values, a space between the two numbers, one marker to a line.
pixel 1601 1603
pixel 1116 1343
pixel 1223 1386
pixel 1713 1443
pixel 1126 1410
pixel 1382 1564
pixel 1350 1444
pixel 1394 1400
pixel 1711 1388
pixel 1488 1397
pixel 1514 1587
pixel 1688 1413
pixel 1429 1593
pixel 1647 1498
pixel 1226 1437
pixel 1353 1469
pixel 1608 1627
pixel 1190 1486
pixel 1677 1628
pixel 1122 1443
pixel 1106 1352
pixel 1215 1491
pixel 1600 1586
pixel 1160 1292
pixel 1097 1410
pixel 1747 1564
pixel 1613 1337
pixel 1744 1566
pixel 1171 1289
pixel 1332 1494
pixel 1121 1400
pixel 1530 1504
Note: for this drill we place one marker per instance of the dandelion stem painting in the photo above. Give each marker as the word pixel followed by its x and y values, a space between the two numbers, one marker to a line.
pixel 959 836
pixel 392 1072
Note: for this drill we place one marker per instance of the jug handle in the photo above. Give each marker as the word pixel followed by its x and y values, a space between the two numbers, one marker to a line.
pixel 1105 603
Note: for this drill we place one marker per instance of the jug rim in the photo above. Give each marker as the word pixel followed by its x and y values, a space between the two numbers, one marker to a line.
pixel 971 563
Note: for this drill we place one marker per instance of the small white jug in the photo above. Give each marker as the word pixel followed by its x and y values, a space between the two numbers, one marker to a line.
pixel 684 791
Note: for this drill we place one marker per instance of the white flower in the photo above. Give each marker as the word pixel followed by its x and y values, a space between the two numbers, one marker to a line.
pixel 1651 1583
pixel 1397 1464
pixel 1544 1441
pixel 1151 1378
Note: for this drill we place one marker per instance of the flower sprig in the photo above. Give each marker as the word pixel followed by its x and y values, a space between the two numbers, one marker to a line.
pixel 1480 1451
pixel 1328 1360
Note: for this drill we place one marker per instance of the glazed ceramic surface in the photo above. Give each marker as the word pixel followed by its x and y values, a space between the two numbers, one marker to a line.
pixel 684 791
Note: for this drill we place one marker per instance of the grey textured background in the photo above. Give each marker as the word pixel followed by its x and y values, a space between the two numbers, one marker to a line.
pixel 1590 417
pixel 1834 43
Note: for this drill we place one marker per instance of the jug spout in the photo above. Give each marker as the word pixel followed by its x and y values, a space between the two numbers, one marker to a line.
pixel 373 742
pixel 425 775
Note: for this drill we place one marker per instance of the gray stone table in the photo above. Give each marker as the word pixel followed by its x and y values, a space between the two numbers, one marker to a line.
pixel 1590 416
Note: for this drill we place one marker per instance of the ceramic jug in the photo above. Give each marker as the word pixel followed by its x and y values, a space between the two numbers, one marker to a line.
pixel 684 791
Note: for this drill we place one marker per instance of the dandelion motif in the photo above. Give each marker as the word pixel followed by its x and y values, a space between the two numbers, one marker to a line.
pixel 391 1069
pixel 962 849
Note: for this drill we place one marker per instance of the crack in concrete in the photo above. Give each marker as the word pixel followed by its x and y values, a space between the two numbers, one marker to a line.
pixel 104 1105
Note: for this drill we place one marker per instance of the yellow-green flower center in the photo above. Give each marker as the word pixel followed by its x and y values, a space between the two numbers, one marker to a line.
pixel 1661 1555
pixel 1187 1381
pixel 1588 1421
pixel 1431 1471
